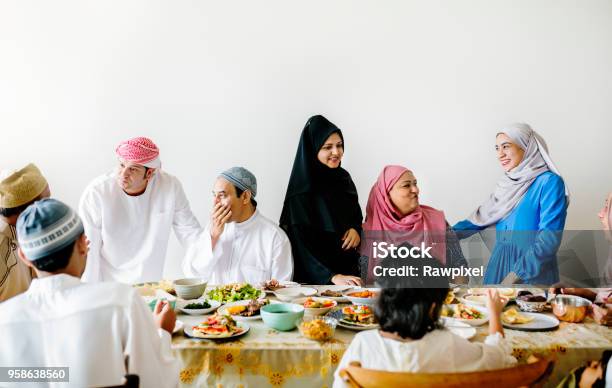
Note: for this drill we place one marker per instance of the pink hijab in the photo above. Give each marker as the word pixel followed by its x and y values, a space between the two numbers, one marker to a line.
pixel 424 224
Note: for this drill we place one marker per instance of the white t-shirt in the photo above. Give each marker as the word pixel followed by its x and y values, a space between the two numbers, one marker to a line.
pixel 438 351
pixel 252 251
pixel 88 327
pixel 129 234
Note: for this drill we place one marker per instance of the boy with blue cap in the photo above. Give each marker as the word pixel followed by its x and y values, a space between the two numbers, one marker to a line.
pixel 101 331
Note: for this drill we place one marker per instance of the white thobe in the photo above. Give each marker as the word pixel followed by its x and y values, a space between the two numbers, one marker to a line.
pixel 252 251
pixel 439 351
pixel 90 328
pixel 129 234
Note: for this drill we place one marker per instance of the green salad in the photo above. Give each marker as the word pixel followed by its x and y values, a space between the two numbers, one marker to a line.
pixel 234 292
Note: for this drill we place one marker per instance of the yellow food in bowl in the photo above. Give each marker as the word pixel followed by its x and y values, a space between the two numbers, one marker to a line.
pixel 317 330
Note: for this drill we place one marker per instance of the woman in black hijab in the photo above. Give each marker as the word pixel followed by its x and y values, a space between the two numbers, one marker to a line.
pixel 321 213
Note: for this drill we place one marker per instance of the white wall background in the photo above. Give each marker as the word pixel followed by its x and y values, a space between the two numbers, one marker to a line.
pixel 423 83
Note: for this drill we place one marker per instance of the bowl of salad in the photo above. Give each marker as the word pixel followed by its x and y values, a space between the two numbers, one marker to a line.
pixel 315 305
pixel 234 292
pixel 471 315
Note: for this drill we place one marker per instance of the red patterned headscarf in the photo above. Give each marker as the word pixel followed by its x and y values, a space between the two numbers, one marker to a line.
pixel 139 150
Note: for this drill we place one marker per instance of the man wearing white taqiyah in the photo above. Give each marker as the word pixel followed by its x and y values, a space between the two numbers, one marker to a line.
pixel 128 215
pixel 101 331
pixel 239 244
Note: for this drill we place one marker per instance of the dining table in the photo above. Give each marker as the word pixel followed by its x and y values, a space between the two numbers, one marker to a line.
pixel 265 357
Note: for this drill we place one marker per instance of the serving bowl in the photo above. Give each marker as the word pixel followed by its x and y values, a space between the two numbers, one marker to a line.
pixel 212 303
pixel 190 288
pixel 570 308
pixel 311 311
pixel 317 328
pixel 282 316
pixel 353 296
pixel 290 293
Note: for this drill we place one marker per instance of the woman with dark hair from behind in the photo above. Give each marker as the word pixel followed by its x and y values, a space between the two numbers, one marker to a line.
pixel 411 337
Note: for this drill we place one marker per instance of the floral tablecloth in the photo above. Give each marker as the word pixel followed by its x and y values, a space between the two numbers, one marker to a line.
pixel 266 357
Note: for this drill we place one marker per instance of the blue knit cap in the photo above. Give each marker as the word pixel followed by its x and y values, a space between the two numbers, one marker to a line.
pixel 47 226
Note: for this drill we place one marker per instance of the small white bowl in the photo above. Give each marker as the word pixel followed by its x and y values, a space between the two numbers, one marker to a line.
pixel 190 288
pixel 213 306
pixel 474 299
pixel 316 311
pixel 363 301
pixel 290 293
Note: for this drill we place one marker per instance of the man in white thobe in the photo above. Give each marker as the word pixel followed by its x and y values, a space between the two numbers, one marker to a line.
pixel 101 331
pixel 239 244
pixel 128 215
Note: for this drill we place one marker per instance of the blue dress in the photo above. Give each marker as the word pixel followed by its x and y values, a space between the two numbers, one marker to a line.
pixel 527 239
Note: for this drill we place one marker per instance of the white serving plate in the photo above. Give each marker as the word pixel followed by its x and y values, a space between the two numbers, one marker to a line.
pixel 349 325
pixel 188 330
pixel 223 311
pixel 541 322
pixel 284 283
pixel 336 288
pixel 459 328
pixel 291 293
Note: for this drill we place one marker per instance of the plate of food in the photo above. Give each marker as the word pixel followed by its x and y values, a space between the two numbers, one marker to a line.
pixel 315 305
pixel 217 327
pixel 234 292
pixel 199 306
pixel 272 285
pixel 471 315
pixel 164 285
pixel 334 292
pixel 355 317
pixel 290 293
pixel 244 310
pixel 367 296
pixel 515 320
pixel 509 293
pixel 459 328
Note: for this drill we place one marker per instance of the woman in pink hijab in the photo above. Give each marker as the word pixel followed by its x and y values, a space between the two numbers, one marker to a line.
pixel 394 215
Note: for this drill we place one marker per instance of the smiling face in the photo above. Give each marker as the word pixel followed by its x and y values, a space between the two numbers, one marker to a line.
pixel 509 154
pixel 332 150
pixel 405 194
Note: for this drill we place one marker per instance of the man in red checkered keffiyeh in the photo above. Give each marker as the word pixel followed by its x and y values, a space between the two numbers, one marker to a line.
pixel 139 150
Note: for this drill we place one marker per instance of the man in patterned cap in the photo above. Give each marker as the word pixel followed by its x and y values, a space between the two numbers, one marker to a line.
pixel 18 189
pixel 239 244
pixel 100 331
pixel 128 215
